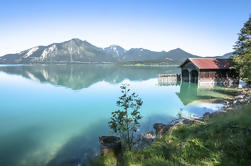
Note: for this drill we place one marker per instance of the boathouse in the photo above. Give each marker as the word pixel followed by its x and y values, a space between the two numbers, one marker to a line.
pixel 208 72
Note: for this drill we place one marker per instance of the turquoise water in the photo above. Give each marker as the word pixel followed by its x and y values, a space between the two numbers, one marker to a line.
pixel 53 114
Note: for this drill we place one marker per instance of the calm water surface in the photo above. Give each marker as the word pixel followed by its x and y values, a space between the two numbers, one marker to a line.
pixel 53 114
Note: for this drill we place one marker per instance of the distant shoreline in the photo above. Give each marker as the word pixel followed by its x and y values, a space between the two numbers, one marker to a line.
pixel 110 63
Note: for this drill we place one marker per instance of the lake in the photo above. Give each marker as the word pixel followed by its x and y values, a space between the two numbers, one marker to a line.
pixel 52 115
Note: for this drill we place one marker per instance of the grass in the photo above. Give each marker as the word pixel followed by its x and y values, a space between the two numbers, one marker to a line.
pixel 223 140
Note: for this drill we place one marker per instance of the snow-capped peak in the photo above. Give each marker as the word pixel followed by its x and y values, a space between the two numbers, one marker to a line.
pixel 115 50
pixel 30 52
pixel 47 51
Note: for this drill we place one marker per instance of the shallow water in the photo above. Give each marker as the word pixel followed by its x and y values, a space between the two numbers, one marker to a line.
pixel 53 114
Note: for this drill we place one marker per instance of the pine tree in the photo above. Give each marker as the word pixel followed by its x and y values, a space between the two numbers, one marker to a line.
pixel 243 52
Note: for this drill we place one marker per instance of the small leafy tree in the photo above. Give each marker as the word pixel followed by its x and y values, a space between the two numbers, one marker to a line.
pixel 125 121
pixel 243 52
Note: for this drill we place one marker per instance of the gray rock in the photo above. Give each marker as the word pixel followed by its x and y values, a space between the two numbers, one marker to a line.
pixel 149 135
pixel 206 115
pixel 109 144
pixel 161 129
pixel 144 140
pixel 240 96
pixel 242 100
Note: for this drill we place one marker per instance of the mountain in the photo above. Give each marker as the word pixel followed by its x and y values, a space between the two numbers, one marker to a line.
pixel 140 54
pixel 176 56
pixel 115 50
pixel 74 50
pixel 179 56
pixel 226 56
pixel 78 51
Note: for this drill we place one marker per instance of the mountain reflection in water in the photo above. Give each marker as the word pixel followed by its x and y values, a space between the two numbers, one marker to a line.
pixel 79 76
pixel 52 115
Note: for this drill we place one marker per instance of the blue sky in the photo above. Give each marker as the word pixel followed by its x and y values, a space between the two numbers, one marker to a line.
pixel 201 27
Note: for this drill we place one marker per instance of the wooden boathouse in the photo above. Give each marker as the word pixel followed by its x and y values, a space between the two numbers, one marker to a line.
pixel 208 72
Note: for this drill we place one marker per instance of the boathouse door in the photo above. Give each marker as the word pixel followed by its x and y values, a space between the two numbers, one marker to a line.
pixel 185 75
pixel 194 76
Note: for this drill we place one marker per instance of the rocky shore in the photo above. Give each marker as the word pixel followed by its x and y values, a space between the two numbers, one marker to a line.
pixel 242 98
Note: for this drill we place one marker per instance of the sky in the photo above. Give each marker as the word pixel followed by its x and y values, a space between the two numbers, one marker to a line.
pixel 200 27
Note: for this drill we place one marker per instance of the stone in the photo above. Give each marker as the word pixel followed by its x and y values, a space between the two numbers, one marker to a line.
pixel 235 101
pixel 161 129
pixel 206 115
pixel 149 135
pixel 144 140
pixel 109 144
pixel 240 96
pixel 242 100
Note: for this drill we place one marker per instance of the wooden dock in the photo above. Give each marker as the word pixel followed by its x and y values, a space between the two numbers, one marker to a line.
pixel 168 79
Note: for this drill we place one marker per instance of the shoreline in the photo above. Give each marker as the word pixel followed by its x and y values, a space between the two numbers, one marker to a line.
pixel 215 132
pixel 242 98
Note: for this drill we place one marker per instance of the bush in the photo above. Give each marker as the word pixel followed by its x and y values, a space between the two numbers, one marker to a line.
pixel 125 121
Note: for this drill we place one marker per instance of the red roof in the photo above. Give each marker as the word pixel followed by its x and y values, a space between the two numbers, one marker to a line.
pixel 210 63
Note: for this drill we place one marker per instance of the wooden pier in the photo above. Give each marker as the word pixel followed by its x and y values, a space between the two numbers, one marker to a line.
pixel 168 79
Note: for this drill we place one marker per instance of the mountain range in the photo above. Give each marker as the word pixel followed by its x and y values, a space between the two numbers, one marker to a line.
pixel 78 51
